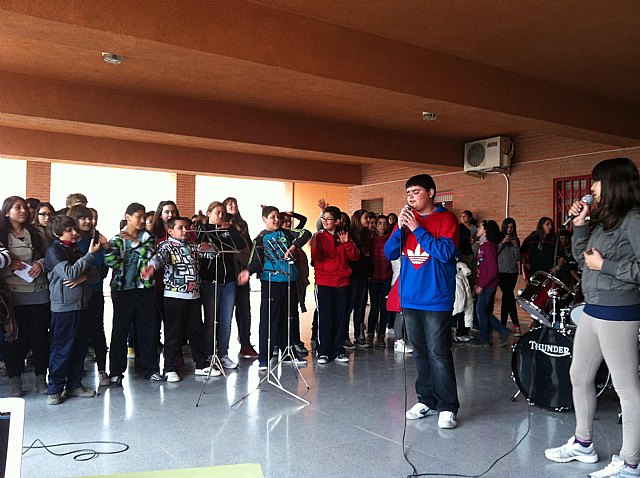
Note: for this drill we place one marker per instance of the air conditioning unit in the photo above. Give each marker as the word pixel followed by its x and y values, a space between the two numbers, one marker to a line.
pixel 488 154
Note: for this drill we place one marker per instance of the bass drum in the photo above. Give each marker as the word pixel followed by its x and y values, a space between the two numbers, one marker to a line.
pixel 541 361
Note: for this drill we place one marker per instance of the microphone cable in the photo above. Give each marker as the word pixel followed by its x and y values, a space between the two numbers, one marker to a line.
pixel 81 454
pixel 495 462
pixel 415 473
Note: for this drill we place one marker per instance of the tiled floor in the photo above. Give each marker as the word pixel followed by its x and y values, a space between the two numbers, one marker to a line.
pixel 353 426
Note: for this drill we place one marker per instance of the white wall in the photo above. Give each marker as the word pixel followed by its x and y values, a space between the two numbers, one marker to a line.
pixel 13 180
pixel 111 190
pixel 250 193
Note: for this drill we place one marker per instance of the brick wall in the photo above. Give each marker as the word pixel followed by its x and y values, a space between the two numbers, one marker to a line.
pixel 186 194
pixel 39 180
pixel 538 160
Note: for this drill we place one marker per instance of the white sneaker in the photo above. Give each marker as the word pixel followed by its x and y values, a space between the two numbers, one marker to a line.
pixel 103 379
pixel 616 469
pixel 342 358
pixel 419 410
pixel 447 420
pixel 402 347
pixel 391 332
pixel 323 359
pixel 205 371
pixel 227 362
pixel 572 450
pixel 172 377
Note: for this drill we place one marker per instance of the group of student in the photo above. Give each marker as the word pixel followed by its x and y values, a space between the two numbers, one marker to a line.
pixel 187 275
pixel 495 258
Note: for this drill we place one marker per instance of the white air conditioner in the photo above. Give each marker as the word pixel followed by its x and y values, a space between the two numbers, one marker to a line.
pixel 488 154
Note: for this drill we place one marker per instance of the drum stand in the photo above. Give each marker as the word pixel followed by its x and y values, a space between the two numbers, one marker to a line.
pixel 215 360
pixel 271 377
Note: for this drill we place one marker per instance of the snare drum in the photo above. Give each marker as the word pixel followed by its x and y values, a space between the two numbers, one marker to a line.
pixel 576 313
pixel 577 306
pixel 540 363
pixel 536 297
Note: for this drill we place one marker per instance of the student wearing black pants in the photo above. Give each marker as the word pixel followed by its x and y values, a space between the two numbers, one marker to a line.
pixel 331 251
pixel 134 298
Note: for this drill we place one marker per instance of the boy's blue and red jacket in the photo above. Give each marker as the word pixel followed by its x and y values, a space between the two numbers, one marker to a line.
pixel 428 274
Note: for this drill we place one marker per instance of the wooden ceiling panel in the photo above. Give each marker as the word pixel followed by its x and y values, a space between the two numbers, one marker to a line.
pixel 299 79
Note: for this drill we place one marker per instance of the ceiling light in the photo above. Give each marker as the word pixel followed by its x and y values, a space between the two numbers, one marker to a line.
pixel 112 58
pixel 428 116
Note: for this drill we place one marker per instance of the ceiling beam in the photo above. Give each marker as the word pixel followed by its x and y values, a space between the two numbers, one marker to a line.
pixel 41 145
pixel 264 35
pixel 32 102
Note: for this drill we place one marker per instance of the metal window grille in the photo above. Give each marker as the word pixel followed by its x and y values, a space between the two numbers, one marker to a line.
pixel 566 191
pixel 444 198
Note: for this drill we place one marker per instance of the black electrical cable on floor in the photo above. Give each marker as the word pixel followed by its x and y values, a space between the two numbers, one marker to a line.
pixel 81 454
pixel 415 473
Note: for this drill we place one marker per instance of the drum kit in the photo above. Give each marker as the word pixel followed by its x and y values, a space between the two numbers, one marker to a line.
pixel 542 357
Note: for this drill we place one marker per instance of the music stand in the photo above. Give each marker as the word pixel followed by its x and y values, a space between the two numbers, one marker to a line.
pixel 276 253
pixel 215 360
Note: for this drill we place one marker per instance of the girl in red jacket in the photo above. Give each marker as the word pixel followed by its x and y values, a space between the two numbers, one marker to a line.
pixel 331 250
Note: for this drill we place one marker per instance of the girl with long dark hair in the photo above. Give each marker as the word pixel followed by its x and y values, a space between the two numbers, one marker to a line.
pixel 362 269
pixel 165 211
pixel 508 259
pixel 243 304
pixel 487 283
pixel 608 329
pixel 42 213
pixel 29 294
pixel 218 287
pixel 539 248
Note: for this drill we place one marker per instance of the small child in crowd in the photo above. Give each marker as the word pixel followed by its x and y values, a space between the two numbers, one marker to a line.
pixel 179 257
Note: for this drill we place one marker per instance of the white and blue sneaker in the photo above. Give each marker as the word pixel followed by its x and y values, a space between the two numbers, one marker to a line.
pixel 572 450
pixel 616 469
pixel 419 410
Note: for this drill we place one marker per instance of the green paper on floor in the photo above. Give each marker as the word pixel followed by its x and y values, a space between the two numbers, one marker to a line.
pixel 225 471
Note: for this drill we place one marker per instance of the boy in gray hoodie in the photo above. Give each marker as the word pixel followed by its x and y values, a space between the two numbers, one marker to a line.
pixel 70 277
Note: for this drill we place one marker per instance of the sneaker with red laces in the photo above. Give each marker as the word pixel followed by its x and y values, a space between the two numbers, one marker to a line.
pixel 248 352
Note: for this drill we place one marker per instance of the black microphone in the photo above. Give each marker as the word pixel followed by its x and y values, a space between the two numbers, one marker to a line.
pixel 588 199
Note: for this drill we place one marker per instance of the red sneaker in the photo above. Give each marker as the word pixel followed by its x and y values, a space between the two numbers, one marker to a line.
pixel 248 352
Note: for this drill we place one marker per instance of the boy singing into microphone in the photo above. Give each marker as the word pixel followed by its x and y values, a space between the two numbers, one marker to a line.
pixel 426 238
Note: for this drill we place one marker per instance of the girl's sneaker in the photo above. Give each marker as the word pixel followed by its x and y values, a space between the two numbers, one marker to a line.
pixel 616 469
pixel 572 450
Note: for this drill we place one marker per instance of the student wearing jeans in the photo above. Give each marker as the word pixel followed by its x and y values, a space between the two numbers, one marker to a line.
pixel 426 238
pixel 487 284
pixel 70 277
